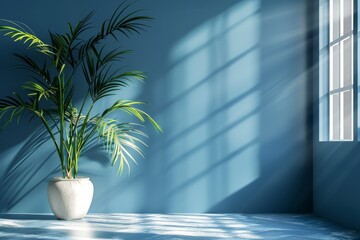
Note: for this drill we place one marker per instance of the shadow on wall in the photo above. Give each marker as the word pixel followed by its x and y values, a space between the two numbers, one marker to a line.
pixel 233 105
pixel 285 181
pixel 228 85
pixel 24 151
pixel 27 169
pixel 203 149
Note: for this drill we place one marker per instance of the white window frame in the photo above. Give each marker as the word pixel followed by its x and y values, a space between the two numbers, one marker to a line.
pixel 336 109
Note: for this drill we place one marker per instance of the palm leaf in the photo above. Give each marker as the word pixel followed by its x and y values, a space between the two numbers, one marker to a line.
pixel 120 22
pixel 100 77
pixel 118 139
pixel 128 106
pixel 30 65
pixel 38 91
pixel 33 41
pixel 15 106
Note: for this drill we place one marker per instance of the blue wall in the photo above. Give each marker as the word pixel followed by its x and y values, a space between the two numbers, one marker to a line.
pixel 336 182
pixel 227 81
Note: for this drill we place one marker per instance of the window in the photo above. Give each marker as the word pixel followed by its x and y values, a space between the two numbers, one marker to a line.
pixel 336 67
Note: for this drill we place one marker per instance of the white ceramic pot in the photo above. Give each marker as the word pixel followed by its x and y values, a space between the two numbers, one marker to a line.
pixel 70 199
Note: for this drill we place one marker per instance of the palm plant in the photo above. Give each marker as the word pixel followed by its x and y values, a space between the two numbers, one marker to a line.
pixel 50 95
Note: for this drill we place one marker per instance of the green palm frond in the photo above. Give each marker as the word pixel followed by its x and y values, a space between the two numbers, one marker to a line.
pixel 15 106
pixel 80 27
pixel 38 91
pixel 126 23
pixel 30 65
pixel 106 84
pixel 128 106
pixel 120 22
pixel 100 77
pixel 18 34
pixel 66 44
pixel 119 139
pixel 111 56
pixel 61 45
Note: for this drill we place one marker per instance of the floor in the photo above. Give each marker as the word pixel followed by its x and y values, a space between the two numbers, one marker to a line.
pixel 172 226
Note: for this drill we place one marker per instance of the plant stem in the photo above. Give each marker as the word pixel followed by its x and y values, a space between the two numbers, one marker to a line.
pixel 62 118
pixel 54 140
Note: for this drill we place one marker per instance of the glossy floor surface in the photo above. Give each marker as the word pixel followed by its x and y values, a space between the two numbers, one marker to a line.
pixel 172 226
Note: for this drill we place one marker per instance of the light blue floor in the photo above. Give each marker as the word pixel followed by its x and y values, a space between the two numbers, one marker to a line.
pixel 173 226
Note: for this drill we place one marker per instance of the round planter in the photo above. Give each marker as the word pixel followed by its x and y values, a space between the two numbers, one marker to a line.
pixel 70 199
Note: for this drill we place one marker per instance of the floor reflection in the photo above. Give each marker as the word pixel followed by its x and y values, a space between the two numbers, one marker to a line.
pixel 172 226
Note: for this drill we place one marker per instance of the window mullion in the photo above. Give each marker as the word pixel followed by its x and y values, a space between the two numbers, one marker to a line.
pixel 354 70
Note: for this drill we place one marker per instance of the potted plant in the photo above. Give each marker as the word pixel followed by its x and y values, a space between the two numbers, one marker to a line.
pixel 72 126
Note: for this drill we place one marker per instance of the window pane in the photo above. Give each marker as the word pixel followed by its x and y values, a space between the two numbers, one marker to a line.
pixel 338 78
pixel 347 62
pixel 335 117
pixel 335 67
pixel 347 115
pixel 334 19
pixel 347 17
